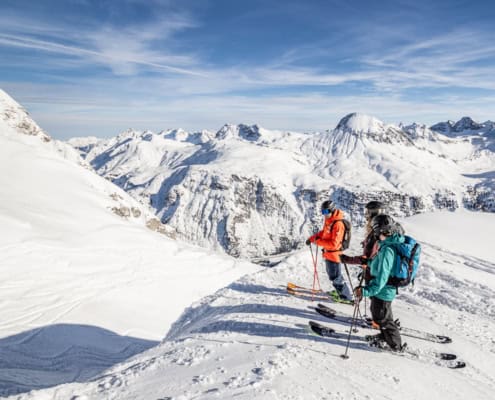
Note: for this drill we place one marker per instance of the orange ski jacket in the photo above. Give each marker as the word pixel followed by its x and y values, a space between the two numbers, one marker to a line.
pixel 331 236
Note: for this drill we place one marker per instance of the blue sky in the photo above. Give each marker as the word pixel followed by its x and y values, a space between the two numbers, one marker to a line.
pixel 84 67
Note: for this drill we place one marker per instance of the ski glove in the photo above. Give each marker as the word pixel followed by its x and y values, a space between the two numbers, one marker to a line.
pixel 308 242
pixel 345 258
pixel 358 293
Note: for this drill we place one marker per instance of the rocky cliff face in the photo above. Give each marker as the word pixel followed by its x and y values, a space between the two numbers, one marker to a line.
pixel 17 118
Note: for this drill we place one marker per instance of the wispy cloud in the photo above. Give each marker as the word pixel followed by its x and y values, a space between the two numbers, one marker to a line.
pixel 122 49
pixel 122 72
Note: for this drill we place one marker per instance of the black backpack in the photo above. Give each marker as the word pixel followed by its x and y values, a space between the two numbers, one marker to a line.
pixel 346 240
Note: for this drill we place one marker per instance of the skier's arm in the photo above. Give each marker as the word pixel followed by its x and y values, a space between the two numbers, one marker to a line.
pixel 353 260
pixel 380 280
pixel 314 237
pixel 335 241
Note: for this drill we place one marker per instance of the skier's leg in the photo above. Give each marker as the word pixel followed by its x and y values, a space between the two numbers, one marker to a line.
pixel 334 271
pixel 381 312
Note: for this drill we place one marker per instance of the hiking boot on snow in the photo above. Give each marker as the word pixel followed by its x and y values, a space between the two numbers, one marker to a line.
pixel 339 298
pixel 381 344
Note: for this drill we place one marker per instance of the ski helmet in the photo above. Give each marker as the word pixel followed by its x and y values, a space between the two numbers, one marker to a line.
pixel 374 208
pixel 328 207
pixel 382 223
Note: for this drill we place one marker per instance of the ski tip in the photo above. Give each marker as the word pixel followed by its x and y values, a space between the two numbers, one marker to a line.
pixel 447 356
pixel 458 365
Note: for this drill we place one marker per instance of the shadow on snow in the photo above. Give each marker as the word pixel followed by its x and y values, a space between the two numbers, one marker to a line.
pixel 61 353
pixel 265 320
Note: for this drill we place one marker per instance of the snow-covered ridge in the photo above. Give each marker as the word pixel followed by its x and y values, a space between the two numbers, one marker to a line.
pixel 85 283
pixel 253 192
pixel 17 118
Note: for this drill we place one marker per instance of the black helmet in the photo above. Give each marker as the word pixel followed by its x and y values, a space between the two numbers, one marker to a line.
pixel 382 223
pixel 374 208
pixel 328 205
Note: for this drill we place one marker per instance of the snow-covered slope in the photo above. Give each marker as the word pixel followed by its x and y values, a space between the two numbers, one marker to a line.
pixel 249 340
pixel 252 192
pixel 84 283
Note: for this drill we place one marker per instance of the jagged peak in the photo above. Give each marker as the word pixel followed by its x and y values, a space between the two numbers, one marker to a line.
pixel 247 132
pixel 467 123
pixel 443 127
pixel 464 125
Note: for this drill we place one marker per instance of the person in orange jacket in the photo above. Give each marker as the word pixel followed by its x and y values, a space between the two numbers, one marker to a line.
pixel 330 239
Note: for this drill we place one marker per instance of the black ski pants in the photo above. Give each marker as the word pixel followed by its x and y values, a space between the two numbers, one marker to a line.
pixel 381 311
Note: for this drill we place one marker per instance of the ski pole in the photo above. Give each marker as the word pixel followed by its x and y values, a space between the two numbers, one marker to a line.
pixel 351 286
pixel 315 269
pixel 348 275
pixel 353 322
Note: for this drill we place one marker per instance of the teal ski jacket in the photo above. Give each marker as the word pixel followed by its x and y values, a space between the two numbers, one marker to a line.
pixel 380 268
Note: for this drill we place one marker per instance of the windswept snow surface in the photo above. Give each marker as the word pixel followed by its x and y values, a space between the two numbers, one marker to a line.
pixel 249 340
pixel 82 288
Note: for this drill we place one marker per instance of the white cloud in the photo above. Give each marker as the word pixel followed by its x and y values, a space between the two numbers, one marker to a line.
pixel 122 49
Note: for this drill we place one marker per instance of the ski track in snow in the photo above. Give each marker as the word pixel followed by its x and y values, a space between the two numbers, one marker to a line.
pixel 249 340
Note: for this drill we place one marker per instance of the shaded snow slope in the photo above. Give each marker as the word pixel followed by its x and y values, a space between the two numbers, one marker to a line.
pixel 84 283
pixel 249 341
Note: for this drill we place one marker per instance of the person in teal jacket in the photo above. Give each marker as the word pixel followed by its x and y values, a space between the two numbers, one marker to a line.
pixel 377 289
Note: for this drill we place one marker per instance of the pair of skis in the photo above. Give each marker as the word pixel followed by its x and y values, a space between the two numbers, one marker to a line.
pixel 367 323
pixel 318 294
pixel 331 313
pixel 448 360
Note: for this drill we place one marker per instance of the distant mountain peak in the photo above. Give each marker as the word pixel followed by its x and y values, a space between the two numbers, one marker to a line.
pixel 467 124
pixel 364 126
pixel 360 123
pixel 464 125
pixel 247 132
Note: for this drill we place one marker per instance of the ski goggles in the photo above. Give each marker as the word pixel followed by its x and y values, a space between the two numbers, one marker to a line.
pixel 325 211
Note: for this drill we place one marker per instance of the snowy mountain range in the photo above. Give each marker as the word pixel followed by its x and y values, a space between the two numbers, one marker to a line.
pixel 97 306
pixel 253 192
